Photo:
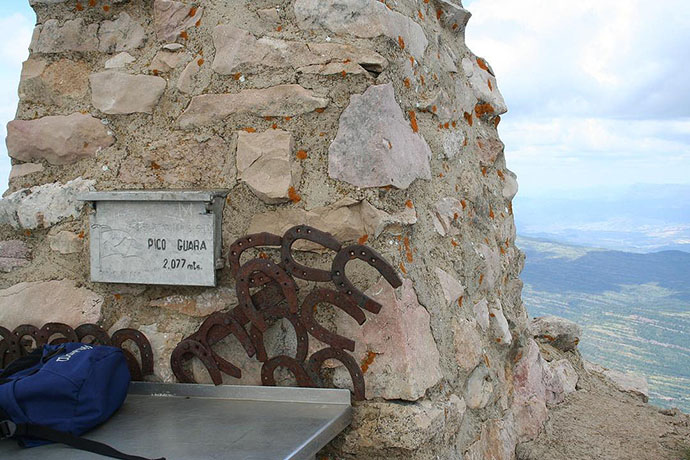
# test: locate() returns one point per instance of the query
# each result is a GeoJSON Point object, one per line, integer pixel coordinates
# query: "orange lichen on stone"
{"type": "Point", "coordinates": [433, 108]}
{"type": "Point", "coordinates": [401, 42]}
{"type": "Point", "coordinates": [301, 155]}
{"type": "Point", "coordinates": [468, 118]}
{"type": "Point", "coordinates": [406, 82]}
{"type": "Point", "coordinates": [454, 123]}
{"type": "Point", "coordinates": [492, 315]}
{"type": "Point", "coordinates": [426, 1]}
{"type": "Point", "coordinates": [510, 208]}
{"type": "Point", "coordinates": [347, 61]}
{"type": "Point", "coordinates": [507, 243]}
{"type": "Point", "coordinates": [402, 268]}
{"type": "Point", "coordinates": [198, 23]}
{"type": "Point", "coordinates": [409, 204]}
{"type": "Point", "coordinates": [440, 174]}
{"type": "Point", "coordinates": [288, 118]}
{"type": "Point", "coordinates": [408, 251]}
{"type": "Point", "coordinates": [274, 126]}
{"type": "Point", "coordinates": [481, 278]}
{"type": "Point", "coordinates": [411, 60]}
{"type": "Point", "coordinates": [343, 73]}
{"type": "Point", "coordinates": [319, 110]}
{"type": "Point", "coordinates": [155, 165]}
{"type": "Point", "coordinates": [499, 173]}
{"type": "Point", "coordinates": [446, 125]}
{"type": "Point", "coordinates": [463, 203]}
{"type": "Point", "coordinates": [413, 121]}
{"type": "Point", "coordinates": [454, 243]}
{"type": "Point", "coordinates": [483, 167]}
{"type": "Point", "coordinates": [503, 251]}
{"type": "Point", "coordinates": [483, 109]}
{"type": "Point", "coordinates": [279, 28]}
{"type": "Point", "coordinates": [486, 240]}
{"type": "Point", "coordinates": [455, 216]}
{"type": "Point", "coordinates": [488, 82]}
{"type": "Point", "coordinates": [92, 3]}
{"type": "Point", "coordinates": [420, 15]}
{"type": "Point", "coordinates": [263, 255]}
{"type": "Point", "coordinates": [363, 239]}
{"type": "Point", "coordinates": [482, 64]}
{"type": "Point", "coordinates": [184, 35]}
{"type": "Point", "coordinates": [368, 361]}
{"type": "Point", "coordinates": [321, 134]}
{"type": "Point", "coordinates": [79, 7]}
{"type": "Point", "coordinates": [81, 235]}
{"type": "Point", "coordinates": [460, 301]}
{"type": "Point", "coordinates": [237, 75]}
{"type": "Point", "coordinates": [249, 130]}
{"type": "Point", "coordinates": [200, 62]}
{"type": "Point", "coordinates": [117, 296]}
{"type": "Point", "coordinates": [106, 8]}
{"type": "Point", "coordinates": [421, 79]}
{"type": "Point", "coordinates": [27, 232]}
{"type": "Point", "coordinates": [268, 118]}
{"type": "Point", "coordinates": [438, 13]}
{"type": "Point", "coordinates": [497, 120]}
{"type": "Point", "coordinates": [293, 195]}
{"type": "Point", "coordinates": [455, 26]}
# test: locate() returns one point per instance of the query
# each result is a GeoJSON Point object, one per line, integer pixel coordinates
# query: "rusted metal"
{"type": "Point", "coordinates": [316, 361]}
{"type": "Point", "coordinates": [266, 292]}
{"type": "Point", "coordinates": [308, 309]}
{"type": "Point", "coordinates": [373, 258]}
{"type": "Point", "coordinates": [15, 344]}
{"type": "Point", "coordinates": [294, 366]}
{"type": "Point", "coordinates": [304, 232]}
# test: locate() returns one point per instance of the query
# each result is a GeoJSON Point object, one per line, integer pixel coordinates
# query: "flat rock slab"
{"type": "Point", "coordinates": [362, 18]}
{"type": "Point", "coordinates": [375, 145]}
{"type": "Point", "coordinates": [116, 93]}
{"type": "Point", "coordinates": [282, 100]}
{"type": "Point", "coordinates": [58, 139]}
{"type": "Point", "coordinates": [41, 302]}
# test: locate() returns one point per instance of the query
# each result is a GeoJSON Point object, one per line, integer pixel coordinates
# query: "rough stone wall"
{"type": "Point", "coordinates": [369, 119]}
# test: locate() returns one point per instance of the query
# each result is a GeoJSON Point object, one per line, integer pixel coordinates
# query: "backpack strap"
{"type": "Point", "coordinates": [9, 429]}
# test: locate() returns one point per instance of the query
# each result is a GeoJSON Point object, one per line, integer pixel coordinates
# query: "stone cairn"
{"type": "Point", "coordinates": [370, 120]}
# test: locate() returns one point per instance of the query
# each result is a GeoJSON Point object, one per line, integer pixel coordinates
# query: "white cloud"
{"type": "Point", "coordinates": [596, 89]}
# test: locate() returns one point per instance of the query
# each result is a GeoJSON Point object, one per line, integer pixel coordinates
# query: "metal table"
{"type": "Point", "coordinates": [185, 422]}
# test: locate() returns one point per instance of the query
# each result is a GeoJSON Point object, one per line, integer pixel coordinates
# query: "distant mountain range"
{"type": "Point", "coordinates": [638, 218]}
{"type": "Point", "coordinates": [634, 308]}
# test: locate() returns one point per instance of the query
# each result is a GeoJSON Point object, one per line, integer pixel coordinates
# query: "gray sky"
{"type": "Point", "coordinates": [598, 90]}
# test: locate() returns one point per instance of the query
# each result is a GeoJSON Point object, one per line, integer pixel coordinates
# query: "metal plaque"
{"type": "Point", "coordinates": [156, 237]}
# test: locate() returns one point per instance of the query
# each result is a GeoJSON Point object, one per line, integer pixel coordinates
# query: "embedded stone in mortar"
{"type": "Point", "coordinates": [479, 389]}
{"type": "Point", "coordinates": [451, 288]}
{"type": "Point", "coordinates": [57, 83]}
{"type": "Point", "coordinates": [65, 242]}
{"type": "Point", "coordinates": [121, 34]}
{"type": "Point", "coordinates": [264, 163]}
{"type": "Point", "coordinates": [162, 344]}
{"type": "Point", "coordinates": [375, 145]}
{"type": "Point", "coordinates": [165, 61]}
{"type": "Point", "coordinates": [402, 360]}
{"type": "Point", "coordinates": [362, 18]}
{"type": "Point", "coordinates": [483, 83]}
{"type": "Point", "coordinates": [499, 325]}
{"type": "Point", "coordinates": [119, 60]}
{"type": "Point", "coordinates": [467, 343]}
{"type": "Point", "coordinates": [347, 220]}
{"type": "Point", "coordinates": [281, 100]}
{"type": "Point", "coordinates": [171, 18]}
{"type": "Point", "coordinates": [13, 254]}
{"type": "Point", "coordinates": [236, 47]}
{"type": "Point", "coordinates": [530, 375]}
{"type": "Point", "coordinates": [380, 426]}
{"type": "Point", "coordinates": [115, 92]}
{"type": "Point", "coordinates": [44, 205]}
{"type": "Point", "coordinates": [73, 35]}
{"type": "Point", "coordinates": [41, 302]}
{"type": "Point", "coordinates": [58, 139]}
{"type": "Point", "coordinates": [200, 305]}
{"type": "Point", "coordinates": [24, 169]}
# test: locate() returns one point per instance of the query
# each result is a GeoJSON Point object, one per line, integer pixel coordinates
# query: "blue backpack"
{"type": "Point", "coordinates": [59, 392]}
